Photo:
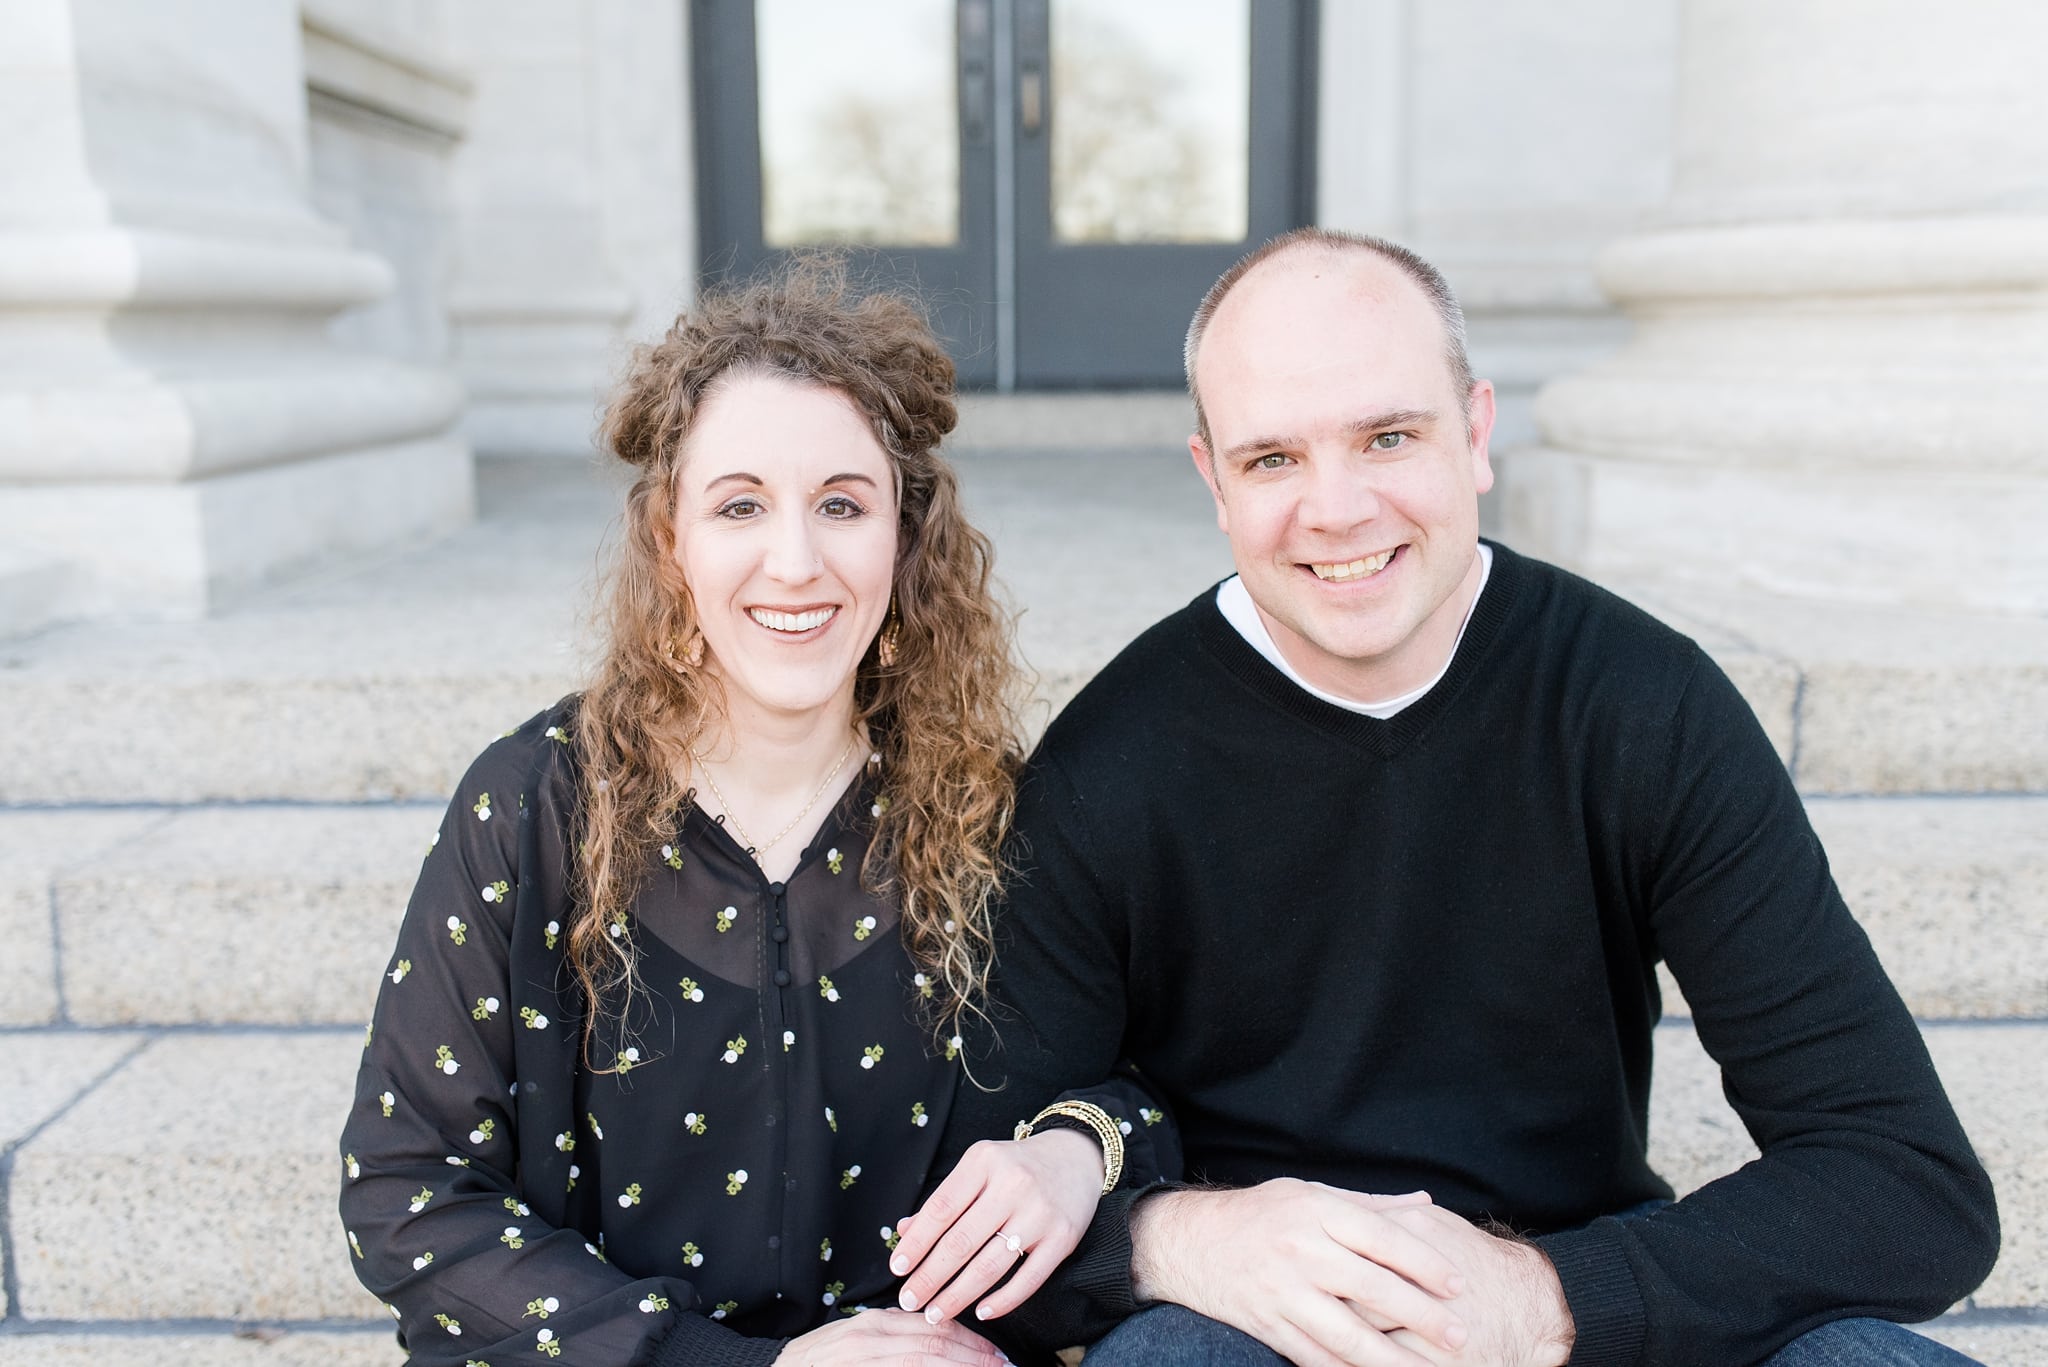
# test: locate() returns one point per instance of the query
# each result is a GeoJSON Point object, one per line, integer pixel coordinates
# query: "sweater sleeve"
{"type": "Point", "coordinates": [430, 1198]}
{"type": "Point", "coordinates": [1867, 1199]}
{"type": "Point", "coordinates": [1057, 1028]}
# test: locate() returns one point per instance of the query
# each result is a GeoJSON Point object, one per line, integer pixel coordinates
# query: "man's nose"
{"type": "Point", "coordinates": [1339, 496]}
{"type": "Point", "coordinates": [792, 551]}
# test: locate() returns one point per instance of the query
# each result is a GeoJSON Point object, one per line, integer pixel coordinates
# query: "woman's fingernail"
{"type": "Point", "coordinates": [981, 1313]}
{"type": "Point", "coordinates": [906, 1300]}
{"type": "Point", "coordinates": [899, 1265]}
{"type": "Point", "coordinates": [931, 1314]}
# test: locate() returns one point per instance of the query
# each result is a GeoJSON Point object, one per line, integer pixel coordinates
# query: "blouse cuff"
{"type": "Point", "coordinates": [697, 1341]}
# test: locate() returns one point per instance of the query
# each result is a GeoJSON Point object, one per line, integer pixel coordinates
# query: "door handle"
{"type": "Point", "coordinates": [976, 100]}
{"type": "Point", "coordinates": [1031, 98]}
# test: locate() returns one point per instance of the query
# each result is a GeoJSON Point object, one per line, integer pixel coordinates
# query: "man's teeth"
{"type": "Point", "coordinates": [1354, 569]}
{"type": "Point", "coordinates": [792, 621]}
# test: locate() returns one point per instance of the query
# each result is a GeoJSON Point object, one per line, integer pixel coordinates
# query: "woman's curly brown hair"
{"type": "Point", "coordinates": [943, 715]}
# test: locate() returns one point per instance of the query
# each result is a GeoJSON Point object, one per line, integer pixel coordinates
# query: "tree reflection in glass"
{"type": "Point", "coordinates": [860, 137]}
{"type": "Point", "coordinates": [1150, 120]}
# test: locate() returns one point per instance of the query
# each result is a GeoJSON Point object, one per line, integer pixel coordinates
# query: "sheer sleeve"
{"type": "Point", "coordinates": [438, 1227]}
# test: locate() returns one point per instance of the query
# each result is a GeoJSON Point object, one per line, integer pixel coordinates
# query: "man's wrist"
{"type": "Point", "coordinates": [1551, 1317]}
{"type": "Point", "coordinates": [1157, 1225]}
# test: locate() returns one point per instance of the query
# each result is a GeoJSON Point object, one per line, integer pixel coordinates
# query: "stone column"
{"type": "Point", "coordinates": [177, 423]}
{"type": "Point", "coordinates": [538, 306]}
{"type": "Point", "coordinates": [1836, 386]}
{"type": "Point", "coordinates": [1506, 144]}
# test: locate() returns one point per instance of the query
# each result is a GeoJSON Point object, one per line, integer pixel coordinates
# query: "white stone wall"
{"type": "Point", "coordinates": [572, 219]}
{"type": "Point", "coordinates": [1835, 387]}
{"type": "Point", "coordinates": [178, 425]}
{"type": "Point", "coordinates": [1507, 144]}
{"type": "Point", "coordinates": [387, 108]}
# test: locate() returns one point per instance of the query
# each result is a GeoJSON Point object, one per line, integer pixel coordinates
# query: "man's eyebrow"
{"type": "Point", "coordinates": [1375, 423]}
{"type": "Point", "coordinates": [1258, 446]}
{"type": "Point", "coordinates": [1372, 424]}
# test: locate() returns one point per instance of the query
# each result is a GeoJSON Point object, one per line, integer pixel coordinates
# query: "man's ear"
{"type": "Point", "coordinates": [1205, 466]}
{"type": "Point", "coordinates": [1479, 431]}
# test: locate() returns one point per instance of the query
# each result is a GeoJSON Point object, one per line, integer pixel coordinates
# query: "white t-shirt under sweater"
{"type": "Point", "coordinates": [1234, 601]}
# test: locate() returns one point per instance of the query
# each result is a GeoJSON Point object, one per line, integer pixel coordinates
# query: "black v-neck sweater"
{"type": "Point", "coordinates": [1418, 952]}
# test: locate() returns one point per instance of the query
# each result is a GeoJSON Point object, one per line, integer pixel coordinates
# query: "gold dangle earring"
{"type": "Point", "coordinates": [691, 656]}
{"type": "Point", "coordinates": [892, 630]}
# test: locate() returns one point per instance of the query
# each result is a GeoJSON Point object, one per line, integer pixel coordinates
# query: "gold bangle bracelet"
{"type": "Point", "coordinates": [1098, 1121]}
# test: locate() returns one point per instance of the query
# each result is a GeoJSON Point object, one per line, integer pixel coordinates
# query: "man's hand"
{"type": "Point", "coordinates": [1513, 1304]}
{"type": "Point", "coordinates": [1313, 1272]}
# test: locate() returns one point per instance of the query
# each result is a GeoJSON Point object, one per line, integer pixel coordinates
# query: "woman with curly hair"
{"type": "Point", "coordinates": [672, 1027]}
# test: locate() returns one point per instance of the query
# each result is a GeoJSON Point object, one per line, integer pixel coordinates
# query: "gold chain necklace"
{"type": "Point", "coordinates": [734, 821]}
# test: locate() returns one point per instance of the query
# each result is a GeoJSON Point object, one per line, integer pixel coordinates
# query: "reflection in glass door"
{"type": "Point", "coordinates": [1061, 179]}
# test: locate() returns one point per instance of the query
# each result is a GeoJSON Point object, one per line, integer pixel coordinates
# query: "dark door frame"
{"type": "Point", "coordinates": [1005, 250]}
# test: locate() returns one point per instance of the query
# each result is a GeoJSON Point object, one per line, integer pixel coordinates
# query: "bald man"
{"type": "Point", "coordinates": [1366, 859]}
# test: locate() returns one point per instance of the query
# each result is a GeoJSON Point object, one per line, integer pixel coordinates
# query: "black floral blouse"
{"type": "Point", "coordinates": [725, 1173]}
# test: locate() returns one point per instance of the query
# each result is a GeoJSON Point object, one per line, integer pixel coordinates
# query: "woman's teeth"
{"type": "Point", "coordinates": [1354, 569]}
{"type": "Point", "coordinates": [792, 621]}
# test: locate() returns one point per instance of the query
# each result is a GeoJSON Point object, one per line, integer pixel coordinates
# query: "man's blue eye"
{"type": "Point", "coordinates": [1272, 460]}
{"type": "Point", "coordinates": [1387, 441]}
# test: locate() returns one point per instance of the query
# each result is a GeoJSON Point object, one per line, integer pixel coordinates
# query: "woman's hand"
{"type": "Point", "coordinates": [892, 1337]}
{"type": "Point", "coordinates": [1009, 1199]}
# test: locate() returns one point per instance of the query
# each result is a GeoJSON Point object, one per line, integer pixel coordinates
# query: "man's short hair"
{"type": "Point", "coordinates": [1334, 240]}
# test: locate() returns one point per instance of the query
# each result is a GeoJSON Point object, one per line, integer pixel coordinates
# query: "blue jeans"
{"type": "Point", "coordinates": [1175, 1335]}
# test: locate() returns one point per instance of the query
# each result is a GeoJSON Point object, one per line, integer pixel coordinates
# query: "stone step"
{"type": "Point", "coordinates": [33, 593]}
{"type": "Point", "coordinates": [1991, 1344]}
{"type": "Point", "coordinates": [1993, 1076]}
{"type": "Point", "coordinates": [1879, 700]}
{"type": "Point", "coordinates": [384, 680]}
{"type": "Point", "coordinates": [274, 915]}
{"type": "Point", "coordinates": [209, 1158]}
{"type": "Point", "coordinates": [1111, 420]}
{"type": "Point", "coordinates": [372, 1345]}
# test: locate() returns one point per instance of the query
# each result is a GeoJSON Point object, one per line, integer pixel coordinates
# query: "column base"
{"type": "Point", "coordinates": [182, 550]}
{"type": "Point", "coordinates": [1906, 538]}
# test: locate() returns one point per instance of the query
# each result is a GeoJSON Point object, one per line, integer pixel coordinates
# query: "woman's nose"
{"type": "Point", "coordinates": [792, 552]}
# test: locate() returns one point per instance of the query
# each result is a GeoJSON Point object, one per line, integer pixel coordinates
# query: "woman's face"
{"type": "Point", "coordinates": [785, 531]}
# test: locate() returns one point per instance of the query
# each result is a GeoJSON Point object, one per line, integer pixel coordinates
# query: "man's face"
{"type": "Point", "coordinates": [1342, 469]}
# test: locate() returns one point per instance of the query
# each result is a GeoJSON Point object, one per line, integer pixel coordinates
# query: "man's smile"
{"type": "Point", "coordinates": [1344, 571]}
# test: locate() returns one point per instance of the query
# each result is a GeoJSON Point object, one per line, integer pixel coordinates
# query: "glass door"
{"type": "Point", "coordinates": [1060, 179]}
{"type": "Point", "coordinates": [862, 126]}
{"type": "Point", "coordinates": [1157, 142]}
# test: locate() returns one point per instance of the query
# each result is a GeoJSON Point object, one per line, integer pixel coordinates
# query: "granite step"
{"type": "Point", "coordinates": [382, 680]}
{"type": "Point", "coordinates": [1879, 700]}
{"type": "Point", "coordinates": [180, 1345]}
{"type": "Point", "coordinates": [32, 592]}
{"type": "Point", "coordinates": [285, 915]}
{"type": "Point", "coordinates": [1994, 1344]}
{"type": "Point", "coordinates": [209, 1158]}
